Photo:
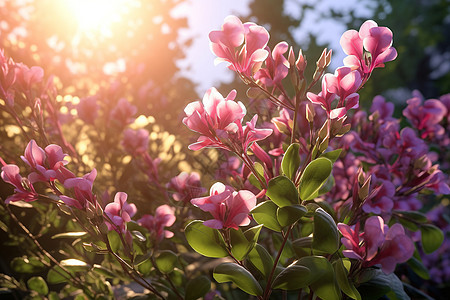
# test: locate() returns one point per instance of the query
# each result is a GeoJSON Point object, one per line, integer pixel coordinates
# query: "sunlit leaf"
{"type": "Point", "coordinates": [26, 264]}
{"type": "Point", "coordinates": [343, 281]}
{"type": "Point", "coordinates": [432, 238]}
{"type": "Point", "coordinates": [244, 280]}
{"type": "Point", "coordinates": [38, 284]}
{"type": "Point", "coordinates": [294, 277]}
{"type": "Point", "coordinates": [291, 161]}
{"type": "Point", "coordinates": [75, 234]}
{"type": "Point", "coordinates": [265, 213]}
{"type": "Point", "coordinates": [326, 235]}
{"type": "Point", "coordinates": [205, 240]}
{"type": "Point", "coordinates": [282, 191]}
{"type": "Point", "coordinates": [288, 215]}
{"type": "Point", "coordinates": [166, 260]}
{"type": "Point", "coordinates": [313, 177]}
{"type": "Point", "coordinates": [261, 259]}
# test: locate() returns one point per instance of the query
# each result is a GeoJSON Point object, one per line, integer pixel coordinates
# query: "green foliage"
{"type": "Point", "coordinates": [326, 235]}
{"type": "Point", "coordinates": [343, 281]}
{"type": "Point", "coordinates": [288, 215]}
{"type": "Point", "coordinates": [291, 161]}
{"type": "Point", "coordinates": [243, 242]}
{"type": "Point", "coordinates": [238, 275]}
{"type": "Point", "coordinates": [323, 279]}
{"type": "Point", "coordinates": [265, 213]}
{"type": "Point", "coordinates": [165, 261]}
{"type": "Point", "coordinates": [261, 259]}
{"type": "Point", "coordinates": [27, 265]}
{"type": "Point", "coordinates": [381, 284]}
{"type": "Point", "coordinates": [294, 277]}
{"type": "Point", "coordinates": [197, 287]}
{"type": "Point", "coordinates": [432, 238]}
{"type": "Point", "coordinates": [313, 177]}
{"type": "Point", "coordinates": [282, 191]}
{"type": "Point", "coordinates": [206, 241]}
{"type": "Point", "coordinates": [38, 284]}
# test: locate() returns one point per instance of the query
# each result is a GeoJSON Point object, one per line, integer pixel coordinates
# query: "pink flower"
{"type": "Point", "coordinates": [23, 190]}
{"type": "Point", "coordinates": [373, 39]}
{"type": "Point", "coordinates": [344, 84]}
{"type": "Point", "coordinates": [120, 212]}
{"type": "Point", "coordinates": [164, 217]}
{"type": "Point", "coordinates": [226, 44]}
{"type": "Point", "coordinates": [277, 66]}
{"type": "Point", "coordinates": [135, 142]}
{"type": "Point", "coordinates": [82, 188]}
{"type": "Point", "coordinates": [26, 77]}
{"type": "Point", "coordinates": [186, 186]}
{"type": "Point", "coordinates": [123, 112]}
{"type": "Point", "coordinates": [218, 120]}
{"type": "Point", "coordinates": [87, 109]}
{"type": "Point", "coordinates": [427, 116]}
{"type": "Point", "coordinates": [7, 79]}
{"type": "Point", "coordinates": [45, 163]}
{"type": "Point", "coordinates": [229, 208]}
{"type": "Point", "coordinates": [378, 245]}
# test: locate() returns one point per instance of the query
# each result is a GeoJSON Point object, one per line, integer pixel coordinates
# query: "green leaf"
{"type": "Point", "coordinates": [265, 213]}
{"type": "Point", "coordinates": [261, 259]}
{"type": "Point", "coordinates": [282, 191]}
{"type": "Point", "coordinates": [327, 186]}
{"type": "Point", "coordinates": [294, 277]}
{"type": "Point", "coordinates": [342, 279]}
{"type": "Point", "coordinates": [197, 287]}
{"type": "Point", "coordinates": [100, 270]}
{"type": "Point", "coordinates": [56, 275]}
{"type": "Point", "coordinates": [418, 268]}
{"type": "Point", "coordinates": [332, 155]}
{"type": "Point", "coordinates": [165, 261]}
{"type": "Point", "coordinates": [26, 264]}
{"type": "Point", "coordinates": [288, 215]}
{"type": "Point", "coordinates": [323, 281]}
{"type": "Point", "coordinates": [288, 251]}
{"type": "Point", "coordinates": [325, 234]}
{"type": "Point", "coordinates": [413, 215]}
{"type": "Point", "coordinates": [145, 267]}
{"type": "Point", "coordinates": [302, 246]}
{"type": "Point", "coordinates": [38, 284]}
{"type": "Point", "coordinates": [74, 234]}
{"type": "Point", "coordinates": [382, 284]}
{"type": "Point", "coordinates": [291, 161]}
{"type": "Point", "coordinates": [238, 275]}
{"type": "Point", "coordinates": [205, 240]}
{"type": "Point", "coordinates": [114, 240]}
{"type": "Point", "coordinates": [432, 238]}
{"type": "Point", "coordinates": [259, 173]}
{"type": "Point", "coordinates": [313, 177]}
{"type": "Point", "coordinates": [75, 265]}
{"type": "Point", "coordinates": [243, 242]}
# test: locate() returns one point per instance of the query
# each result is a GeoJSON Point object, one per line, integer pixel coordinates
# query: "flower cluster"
{"type": "Point", "coordinates": [378, 244]}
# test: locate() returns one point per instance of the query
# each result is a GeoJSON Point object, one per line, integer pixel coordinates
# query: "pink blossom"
{"type": "Point", "coordinates": [378, 245]}
{"type": "Point", "coordinates": [87, 109]}
{"type": "Point", "coordinates": [218, 120]}
{"type": "Point", "coordinates": [164, 217]}
{"type": "Point", "coordinates": [7, 79]}
{"type": "Point", "coordinates": [277, 66]}
{"type": "Point", "coordinates": [119, 212]}
{"type": "Point", "coordinates": [186, 186]}
{"type": "Point", "coordinates": [427, 116]}
{"type": "Point", "coordinates": [380, 198]}
{"type": "Point", "coordinates": [23, 189]}
{"type": "Point", "coordinates": [82, 189]}
{"type": "Point", "coordinates": [123, 112]}
{"type": "Point", "coordinates": [45, 163]}
{"type": "Point", "coordinates": [229, 208]}
{"type": "Point", "coordinates": [373, 39]}
{"type": "Point", "coordinates": [226, 45]}
{"type": "Point", "coordinates": [344, 84]}
{"type": "Point", "coordinates": [26, 77]}
{"type": "Point", "coordinates": [135, 142]}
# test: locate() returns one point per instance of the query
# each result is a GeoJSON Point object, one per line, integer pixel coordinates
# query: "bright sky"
{"type": "Point", "coordinates": [206, 15]}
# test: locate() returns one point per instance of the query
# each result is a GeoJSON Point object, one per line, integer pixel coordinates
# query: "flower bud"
{"type": "Point", "coordinates": [301, 63]}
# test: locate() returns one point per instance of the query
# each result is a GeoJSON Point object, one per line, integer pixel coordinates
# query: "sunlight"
{"type": "Point", "coordinates": [97, 15]}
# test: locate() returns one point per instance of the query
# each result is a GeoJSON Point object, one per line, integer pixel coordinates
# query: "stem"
{"type": "Point", "coordinates": [76, 281]}
{"type": "Point", "coordinates": [296, 111]}
{"type": "Point", "coordinates": [268, 291]}
{"type": "Point", "coordinates": [247, 161]}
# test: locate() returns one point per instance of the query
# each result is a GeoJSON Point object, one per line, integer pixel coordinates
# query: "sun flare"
{"type": "Point", "coordinates": [96, 15]}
